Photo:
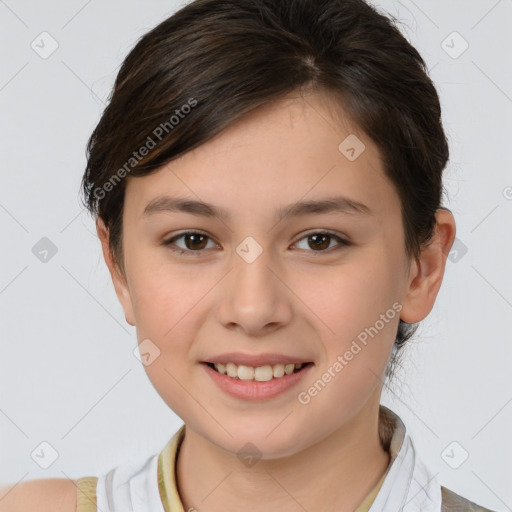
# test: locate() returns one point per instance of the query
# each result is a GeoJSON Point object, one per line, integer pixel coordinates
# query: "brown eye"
{"type": "Point", "coordinates": [194, 242]}
{"type": "Point", "coordinates": [320, 241]}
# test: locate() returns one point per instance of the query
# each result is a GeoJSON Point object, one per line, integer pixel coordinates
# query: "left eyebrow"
{"type": "Point", "coordinates": [336, 204]}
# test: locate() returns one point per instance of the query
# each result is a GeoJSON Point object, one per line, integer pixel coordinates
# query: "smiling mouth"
{"type": "Point", "coordinates": [260, 374]}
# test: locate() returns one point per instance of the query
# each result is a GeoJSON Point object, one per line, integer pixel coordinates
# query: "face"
{"type": "Point", "coordinates": [308, 285]}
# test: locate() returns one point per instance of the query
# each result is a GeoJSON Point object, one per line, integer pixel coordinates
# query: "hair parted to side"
{"type": "Point", "coordinates": [213, 61]}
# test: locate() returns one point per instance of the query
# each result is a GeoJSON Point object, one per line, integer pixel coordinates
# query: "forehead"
{"type": "Point", "coordinates": [295, 148]}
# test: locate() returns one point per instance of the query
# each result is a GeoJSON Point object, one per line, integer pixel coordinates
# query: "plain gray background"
{"type": "Point", "coordinates": [68, 374]}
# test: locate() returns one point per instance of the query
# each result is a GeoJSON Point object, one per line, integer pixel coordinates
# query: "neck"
{"type": "Point", "coordinates": [354, 456]}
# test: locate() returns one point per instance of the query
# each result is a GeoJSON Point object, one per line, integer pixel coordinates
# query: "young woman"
{"type": "Point", "coordinates": [267, 185]}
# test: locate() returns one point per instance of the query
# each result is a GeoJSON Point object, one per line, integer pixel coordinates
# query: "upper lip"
{"type": "Point", "coordinates": [255, 360]}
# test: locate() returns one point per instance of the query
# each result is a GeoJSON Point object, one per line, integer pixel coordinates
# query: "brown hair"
{"type": "Point", "coordinates": [213, 61]}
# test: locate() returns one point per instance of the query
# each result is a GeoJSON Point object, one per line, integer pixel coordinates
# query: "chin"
{"type": "Point", "coordinates": [263, 441]}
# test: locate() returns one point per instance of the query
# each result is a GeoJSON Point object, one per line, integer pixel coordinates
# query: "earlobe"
{"type": "Point", "coordinates": [118, 278]}
{"type": "Point", "coordinates": [426, 273]}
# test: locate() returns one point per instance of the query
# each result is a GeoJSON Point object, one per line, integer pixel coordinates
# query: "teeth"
{"type": "Point", "coordinates": [245, 372]}
{"type": "Point", "coordinates": [232, 370]}
{"type": "Point", "coordinates": [260, 374]}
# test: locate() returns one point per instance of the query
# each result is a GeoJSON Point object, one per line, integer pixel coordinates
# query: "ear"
{"type": "Point", "coordinates": [426, 272]}
{"type": "Point", "coordinates": [118, 277]}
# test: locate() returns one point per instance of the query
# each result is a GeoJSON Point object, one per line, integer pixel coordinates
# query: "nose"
{"type": "Point", "coordinates": [254, 296]}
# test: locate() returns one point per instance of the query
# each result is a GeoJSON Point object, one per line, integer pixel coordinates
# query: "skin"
{"type": "Point", "coordinates": [293, 299]}
{"type": "Point", "coordinates": [43, 495]}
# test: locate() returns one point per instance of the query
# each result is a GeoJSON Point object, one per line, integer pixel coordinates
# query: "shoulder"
{"type": "Point", "coordinates": [43, 495]}
{"type": "Point", "coordinates": [453, 502]}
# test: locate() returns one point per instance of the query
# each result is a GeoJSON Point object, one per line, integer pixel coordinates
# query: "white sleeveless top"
{"type": "Point", "coordinates": [130, 488]}
{"type": "Point", "coordinates": [407, 486]}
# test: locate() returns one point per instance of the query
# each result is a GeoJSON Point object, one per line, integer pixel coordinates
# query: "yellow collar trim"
{"type": "Point", "coordinates": [167, 473]}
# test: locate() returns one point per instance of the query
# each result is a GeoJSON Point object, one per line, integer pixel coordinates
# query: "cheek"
{"type": "Point", "coordinates": [165, 308]}
{"type": "Point", "coordinates": [170, 304]}
{"type": "Point", "coordinates": [162, 291]}
{"type": "Point", "coordinates": [353, 305]}
{"type": "Point", "coordinates": [358, 304]}
{"type": "Point", "coordinates": [350, 296]}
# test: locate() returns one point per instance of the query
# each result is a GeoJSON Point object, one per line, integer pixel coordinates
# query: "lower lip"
{"type": "Point", "coordinates": [254, 390]}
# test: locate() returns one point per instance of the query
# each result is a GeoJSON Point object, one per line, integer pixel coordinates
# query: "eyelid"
{"type": "Point", "coordinates": [341, 239]}
{"type": "Point", "coordinates": [169, 241]}
{"type": "Point", "coordinates": [323, 232]}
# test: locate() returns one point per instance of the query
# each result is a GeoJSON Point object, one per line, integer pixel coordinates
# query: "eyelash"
{"type": "Point", "coordinates": [168, 243]}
